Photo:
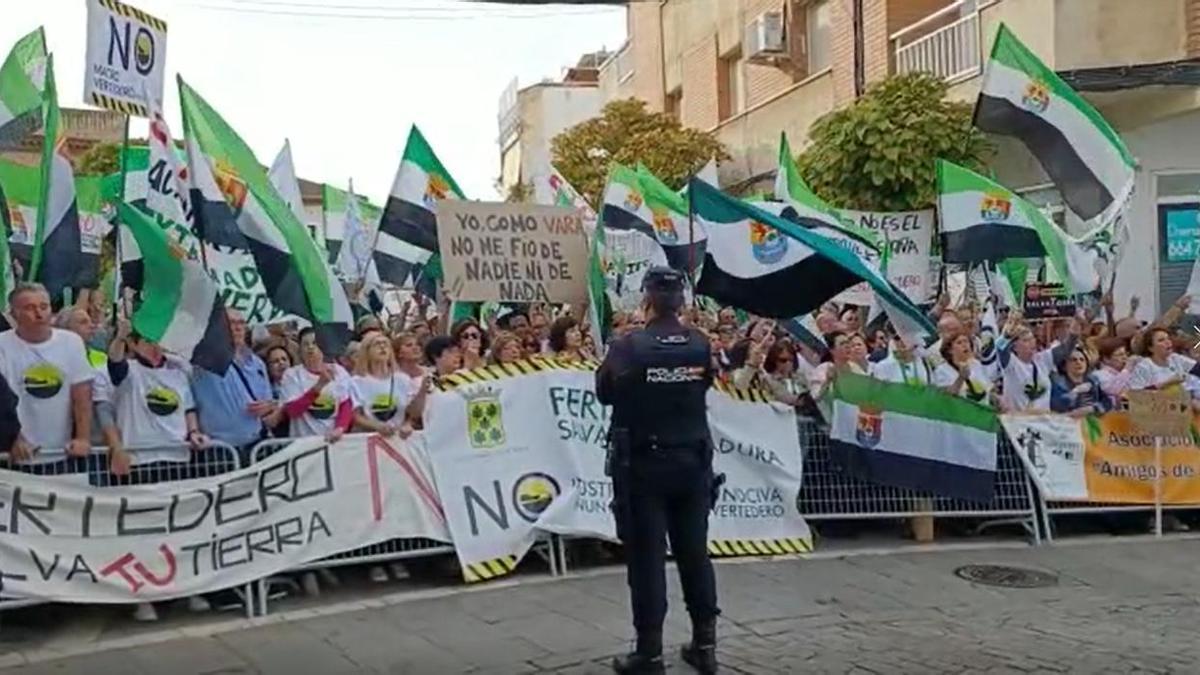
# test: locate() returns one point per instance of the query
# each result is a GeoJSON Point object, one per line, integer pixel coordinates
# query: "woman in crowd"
{"type": "Point", "coordinates": [383, 390]}
{"type": "Point", "coordinates": [903, 365]}
{"type": "Point", "coordinates": [408, 351]}
{"type": "Point", "coordinates": [859, 354]}
{"type": "Point", "coordinates": [1115, 370]}
{"type": "Point", "coordinates": [878, 346]}
{"type": "Point", "coordinates": [506, 349]}
{"type": "Point", "coordinates": [446, 359]}
{"type": "Point", "coordinates": [1074, 390]}
{"type": "Point", "coordinates": [1026, 371]}
{"type": "Point", "coordinates": [960, 373]}
{"type": "Point", "coordinates": [588, 350]}
{"type": "Point", "coordinates": [319, 397]}
{"type": "Point", "coordinates": [471, 341]}
{"type": "Point", "coordinates": [1162, 368]}
{"type": "Point", "coordinates": [566, 342]}
{"type": "Point", "coordinates": [782, 378]}
{"type": "Point", "coordinates": [837, 360]}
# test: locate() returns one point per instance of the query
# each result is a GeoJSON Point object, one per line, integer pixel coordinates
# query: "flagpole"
{"type": "Point", "coordinates": [118, 281]}
{"type": "Point", "coordinates": [692, 247]}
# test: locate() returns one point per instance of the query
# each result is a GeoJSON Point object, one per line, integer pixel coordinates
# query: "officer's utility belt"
{"type": "Point", "coordinates": [655, 447]}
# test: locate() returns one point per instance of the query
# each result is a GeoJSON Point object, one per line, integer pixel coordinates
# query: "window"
{"type": "Point", "coordinates": [819, 21]}
{"type": "Point", "coordinates": [729, 86]}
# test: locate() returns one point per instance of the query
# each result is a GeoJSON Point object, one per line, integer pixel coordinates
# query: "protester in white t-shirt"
{"type": "Point", "coordinates": [319, 397]}
{"type": "Point", "coordinates": [1027, 371]}
{"type": "Point", "coordinates": [104, 416]}
{"type": "Point", "coordinates": [1116, 369]}
{"type": "Point", "coordinates": [383, 391]}
{"type": "Point", "coordinates": [48, 370]}
{"type": "Point", "coordinates": [1162, 368]}
{"type": "Point", "coordinates": [152, 395]}
{"type": "Point", "coordinates": [960, 373]}
{"type": "Point", "coordinates": [903, 366]}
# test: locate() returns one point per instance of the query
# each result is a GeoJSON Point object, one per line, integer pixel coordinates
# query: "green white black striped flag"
{"type": "Point", "coordinates": [1079, 150]}
{"type": "Point", "coordinates": [292, 267]}
{"type": "Point", "coordinates": [58, 260]}
{"type": "Point", "coordinates": [983, 221]}
{"type": "Point", "coordinates": [181, 308]}
{"type": "Point", "coordinates": [22, 82]}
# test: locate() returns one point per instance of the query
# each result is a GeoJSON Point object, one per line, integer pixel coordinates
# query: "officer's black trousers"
{"type": "Point", "coordinates": [669, 495]}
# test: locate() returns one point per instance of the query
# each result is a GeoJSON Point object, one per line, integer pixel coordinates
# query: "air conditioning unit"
{"type": "Point", "coordinates": [765, 38]}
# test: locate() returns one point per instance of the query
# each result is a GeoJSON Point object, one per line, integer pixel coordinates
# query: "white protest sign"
{"type": "Point", "coordinates": [70, 542]}
{"type": "Point", "coordinates": [515, 455]}
{"type": "Point", "coordinates": [909, 238]}
{"type": "Point", "coordinates": [126, 57]}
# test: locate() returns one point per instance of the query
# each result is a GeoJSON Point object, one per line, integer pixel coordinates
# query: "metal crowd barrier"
{"type": "Point", "coordinates": [214, 459]}
{"type": "Point", "coordinates": [827, 494]}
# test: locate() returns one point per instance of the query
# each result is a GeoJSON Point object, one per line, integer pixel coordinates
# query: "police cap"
{"type": "Point", "coordinates": [662, 280]}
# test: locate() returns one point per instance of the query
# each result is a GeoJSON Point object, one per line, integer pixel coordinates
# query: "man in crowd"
{"type": "Point", "coordinates": [78, 320]}
{"type": "Point", "coordinates": [232, 406]}
{"type": "Point", "coordinates": [51, 376]}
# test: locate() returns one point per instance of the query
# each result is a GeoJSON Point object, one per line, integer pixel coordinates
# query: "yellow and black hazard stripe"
{"type": "Point", "coordinates": [135, 14]}
{"type": "Point", "coordinates": [494, 373]}
{"type": "Point", "coordinates": [118, 105]}
{"type": "Point", "coordinates": [757, 547]}
{"type": "Point", "coordinates": [489, 569]}
{"type": "Point", "coordinates": [749, 395]}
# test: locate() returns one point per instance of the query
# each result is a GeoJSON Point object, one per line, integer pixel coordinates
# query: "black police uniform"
{"type": "Point", "coordinates": [656, 380]}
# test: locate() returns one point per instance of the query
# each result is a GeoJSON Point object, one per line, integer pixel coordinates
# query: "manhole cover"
{"type": "Point", "coordinates": [1006, 576]}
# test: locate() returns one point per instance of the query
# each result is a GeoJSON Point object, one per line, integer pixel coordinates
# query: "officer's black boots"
{"type": "Point", "coordinates": [638, 663]}
{"type": "Point", "coordinates": [646, 660]}
{"type": "Point", "coordinates": [701, 654]}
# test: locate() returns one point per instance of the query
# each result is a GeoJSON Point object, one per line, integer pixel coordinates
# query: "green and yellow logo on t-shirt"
{"type": "Point", "coordinates": [322, 407]}
{"type": "Point", "coordinates": [383, 407]}
{"type": "Point", "coordinates": [43, 380]}
{"type": "Point", "coordinates": [162, 401]}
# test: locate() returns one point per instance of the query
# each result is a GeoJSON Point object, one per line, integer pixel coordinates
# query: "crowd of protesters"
{"type": "Point", "coordinates": [121, 392]}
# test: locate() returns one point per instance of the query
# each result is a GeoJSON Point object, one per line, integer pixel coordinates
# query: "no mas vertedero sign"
{"type": "Point", "coordinates": [126, 57]}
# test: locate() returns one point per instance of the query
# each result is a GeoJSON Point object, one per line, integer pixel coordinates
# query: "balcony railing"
{"type": "Point", "coordinates": [940, 44]}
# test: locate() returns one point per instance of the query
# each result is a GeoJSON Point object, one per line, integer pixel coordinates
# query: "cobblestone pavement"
{"type": "Point", "coordinates": [1118, 607]}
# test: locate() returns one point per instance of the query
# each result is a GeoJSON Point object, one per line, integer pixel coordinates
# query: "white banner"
{"type": "Point", "coordinates": [909, 235]}
{"type": "Point", "coordinates": [126, 57]}
{"type": "Point", "coordinates": [519, 455]}
{"type": "Point", "coordinates": [65, 541]}
{"type": "Point", "coordinates": [1053, 452]}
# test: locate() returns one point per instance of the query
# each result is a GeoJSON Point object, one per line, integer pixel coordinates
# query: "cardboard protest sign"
{"type": "Point", "coordinates": [501, 252]}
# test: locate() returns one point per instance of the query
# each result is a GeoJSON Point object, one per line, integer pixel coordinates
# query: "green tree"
{"type": "Point", "coordinates": [627, 133]}
{"type": "Point", "coordinates": [519, 193]}
{"type": "Point", "coordinates": [99, 160]}
{"type": "Point", "coordinates": [878, 154]}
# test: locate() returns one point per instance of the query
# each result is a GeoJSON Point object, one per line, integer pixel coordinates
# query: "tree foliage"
{"type": "Point", "coordinates": [99, 160]}
{"type": "Point", "coordinates": [878, 154]}
{"type": "Point", "coordinates": [519, 193]}
{"type": "Point", "coordinates": [627, 133]}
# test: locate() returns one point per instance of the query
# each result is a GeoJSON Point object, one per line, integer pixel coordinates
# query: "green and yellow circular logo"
{"type": "Point", "coordinates": [43, 381]}
{"type": "Point", "coordinates": [532, 494]}
{"type": "Point", "coordinates": [383, 407]}
{"type": "Point", "coordinates": [162, 401]}
{"type": "Point", "coordinates": [322, 408]}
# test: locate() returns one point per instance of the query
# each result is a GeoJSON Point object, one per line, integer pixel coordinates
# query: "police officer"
{"type": "Point", "coordinates": [660, 458]}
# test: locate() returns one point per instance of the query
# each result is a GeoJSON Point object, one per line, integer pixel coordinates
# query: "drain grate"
{"type": "Point", "coordinates": [1006, 576]}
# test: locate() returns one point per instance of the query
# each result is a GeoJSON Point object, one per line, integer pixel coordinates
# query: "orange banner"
{"type": "Point", "coordinates": [1120, 467]}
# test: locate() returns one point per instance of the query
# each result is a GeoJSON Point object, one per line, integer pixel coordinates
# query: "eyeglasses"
{"type": "Point", "coordinates": [471, 336]}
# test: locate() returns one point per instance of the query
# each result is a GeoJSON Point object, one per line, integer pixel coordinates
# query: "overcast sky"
{"type": "Point", "coordinates": [344, 79]}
